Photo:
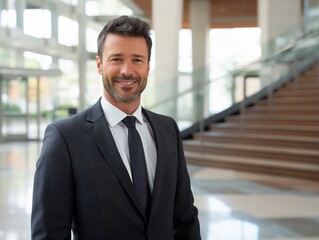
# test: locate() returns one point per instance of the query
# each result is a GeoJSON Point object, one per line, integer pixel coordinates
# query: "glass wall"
{"type": "Point", "coordinates": [57, 30]}
{"type": "Point", "coordinates": [14, 108]}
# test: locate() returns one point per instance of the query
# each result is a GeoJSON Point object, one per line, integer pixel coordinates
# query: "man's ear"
{"type": "Point", "coordinates": [98, 64]}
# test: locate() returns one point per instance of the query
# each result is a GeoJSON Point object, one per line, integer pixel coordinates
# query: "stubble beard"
{"type": "Point", "coordinates": [108, 86]}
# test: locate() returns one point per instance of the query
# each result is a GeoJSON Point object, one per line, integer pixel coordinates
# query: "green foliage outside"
{"type": "Point", "coordinates": [11, 109]}
{"type": "Point", "coordinates": [61, 111]}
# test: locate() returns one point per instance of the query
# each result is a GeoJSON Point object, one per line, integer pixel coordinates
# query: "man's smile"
{"type": "Point", "coordinates": [126, 83]}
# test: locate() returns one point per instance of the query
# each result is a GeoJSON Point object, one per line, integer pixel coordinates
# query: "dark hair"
{"type": "Point", "coordinates": [125, 26]}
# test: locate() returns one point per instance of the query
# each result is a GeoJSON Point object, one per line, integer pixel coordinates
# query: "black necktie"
{"type": "Point", "coordinates": [138, 165]}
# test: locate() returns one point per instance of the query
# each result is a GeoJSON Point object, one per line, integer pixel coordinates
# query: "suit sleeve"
{"type": "Point", "coordinates": [186, 223]}
{"type": "Point", "coordinates": [53, 189]}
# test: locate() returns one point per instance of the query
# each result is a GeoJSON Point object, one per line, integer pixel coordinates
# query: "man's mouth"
{"type": "Point", "coordinates": [127, 82]}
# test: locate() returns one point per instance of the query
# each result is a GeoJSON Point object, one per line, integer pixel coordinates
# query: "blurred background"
{"type": "Point", "coordinates": [239, 76]}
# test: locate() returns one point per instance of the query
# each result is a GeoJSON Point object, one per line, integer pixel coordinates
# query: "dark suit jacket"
{"type": "Point", "coordinates": [82, 184]}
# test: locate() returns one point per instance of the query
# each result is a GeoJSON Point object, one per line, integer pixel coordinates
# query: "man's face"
{"type": "Point", "coordinates": [124, 68]}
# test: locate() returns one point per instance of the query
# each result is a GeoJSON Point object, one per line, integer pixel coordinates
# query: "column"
{"type": "Point", "coordinates": [200, 25]}
{"type": "Point", "coordinates": [167, 21]}
{"type": "Point", "coordinates": [277, 17]}
{"type": "Point", "coordinates": [310, 11]}
{"type": "Point", "coordinates": [54, 22]}
{"type": "Point", "coordinates": [82, 53]}
{"type": "Point", "coordinates": [19, 7]}
{"type": "Point", "coordinates": [54, 31]}
{"type": "Point", "coordinates": [3, 6]}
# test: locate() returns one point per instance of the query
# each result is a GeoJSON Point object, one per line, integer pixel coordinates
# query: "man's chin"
{"type": "Point", "coordinates": [126, 99]}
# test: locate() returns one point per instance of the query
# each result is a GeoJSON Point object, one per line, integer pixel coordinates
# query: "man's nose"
{"type": "Point", "coordinates": [127, 69]}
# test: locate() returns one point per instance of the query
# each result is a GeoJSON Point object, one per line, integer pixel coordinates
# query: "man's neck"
{"type": "Point", "coordinates": [128, 108]}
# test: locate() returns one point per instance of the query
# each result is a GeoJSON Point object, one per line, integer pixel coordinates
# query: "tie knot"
{"type": "Point", "coordinates": [129, 121]}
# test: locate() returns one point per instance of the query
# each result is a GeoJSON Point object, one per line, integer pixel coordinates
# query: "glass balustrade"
{"type": "Point", "coordinates": [208, 96]}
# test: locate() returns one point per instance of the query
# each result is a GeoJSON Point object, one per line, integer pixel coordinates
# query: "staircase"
{"type": "Point", "coordinates": [277, 135]}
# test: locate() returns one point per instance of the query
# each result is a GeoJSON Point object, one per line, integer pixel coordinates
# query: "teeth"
{"type": "Point", "coordinates": [127, 83]}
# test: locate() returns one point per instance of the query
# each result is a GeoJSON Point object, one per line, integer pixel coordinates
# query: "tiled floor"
{"type": "Point", "coordinates": [232, 205]}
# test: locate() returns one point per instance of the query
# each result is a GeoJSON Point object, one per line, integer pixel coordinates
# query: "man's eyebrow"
{"type": "Point", "coordinates": [116, 55]}
{"type": "Point", "coordinates": [138, 56]}
{"type": "Point", "coordinates": [121, 55]}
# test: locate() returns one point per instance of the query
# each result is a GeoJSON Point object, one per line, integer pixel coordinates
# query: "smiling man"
{"type": "Point", "coordinates": [115, 171]}
{"type": "Point", "coordinates": [124, 66]}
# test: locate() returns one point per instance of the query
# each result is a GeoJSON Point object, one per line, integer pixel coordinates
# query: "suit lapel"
{"type": "Point", "coordinates": [101, 134]}
{"type": "Point", "coordinates": [160, 164]}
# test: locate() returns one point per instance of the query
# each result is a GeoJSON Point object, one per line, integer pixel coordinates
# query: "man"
{"type": "Point", "coordinates": [86, 178]}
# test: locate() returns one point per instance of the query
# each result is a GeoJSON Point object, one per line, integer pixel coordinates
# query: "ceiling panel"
{"type": "Point", "coordinates": [223, 13]}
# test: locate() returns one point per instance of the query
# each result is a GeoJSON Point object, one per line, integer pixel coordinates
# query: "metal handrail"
{"type": "Point", "coordinates": [288, 47]}
{"type": "Point", "coordinates": [191, 89]}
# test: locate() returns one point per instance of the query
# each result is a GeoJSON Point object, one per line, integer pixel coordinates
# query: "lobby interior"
{"type": "Point", "coordinates": [240, 195]}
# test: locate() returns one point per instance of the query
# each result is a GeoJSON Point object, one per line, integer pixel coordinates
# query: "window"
{"type": "Point", "coordinates": [68, 31]}
{"type": "Point", "coordinates": [37, 23]}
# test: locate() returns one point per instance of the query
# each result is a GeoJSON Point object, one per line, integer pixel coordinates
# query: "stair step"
{"type": "Point", "coordinates": [248, 120]}
{"type": "Point", "coordinates": [265, 166]}
{"type": "Point", "coordinates": [300, 90]}
{"type": "Point", "coordinates": [289, 102]}
{"type": "Point", "coordinates": [261, 126]}
{"type": "Point", "coordinates": [277, 135]}
{"type": "Point", "coordinates": [309, 74]}
{"type": "Point", "coordinates": [313, 108]}
{"type": "Point", "coordinates": [305, 93]}
{"type": "Point", "coordinates": [244, 150]}
{"type": "Point", "coordinates": [274, 117]}
{"type": "Point", "coordinates": [301, 86]}
{"type": "Point", "coordinates": [286, 97]}
{"type": "Point", "coordinates": [258, 139]}
{"type": "Point", "coordinates": [281, 112]}
{"type": "Point", "coordinates": [307, 79]}
{"type": "Point", "coordinates": [265, 129]}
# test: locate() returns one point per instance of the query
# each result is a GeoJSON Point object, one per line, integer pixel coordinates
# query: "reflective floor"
{"type": "Point", "coordinates": [232, 205]}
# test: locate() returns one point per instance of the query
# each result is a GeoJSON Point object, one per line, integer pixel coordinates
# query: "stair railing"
{"type": "Point", "coordinates": [205, 98]}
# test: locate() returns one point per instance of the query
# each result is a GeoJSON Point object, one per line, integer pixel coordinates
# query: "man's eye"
{"type": "Point", "coordinates": [116, 59]}
{"type": "Point", "coordinates": [137, 60]}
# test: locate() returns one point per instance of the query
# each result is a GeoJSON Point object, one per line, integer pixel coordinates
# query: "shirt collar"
{"type": "Point", "coordinates": [114, 115]}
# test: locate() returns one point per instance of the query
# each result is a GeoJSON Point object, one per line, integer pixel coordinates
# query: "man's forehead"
{"type": "Point", "coordinates": [122, 45]}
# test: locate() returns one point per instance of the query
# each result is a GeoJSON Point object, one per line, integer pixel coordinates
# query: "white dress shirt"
{"type": "Point", "coordinates": [114, 117]}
